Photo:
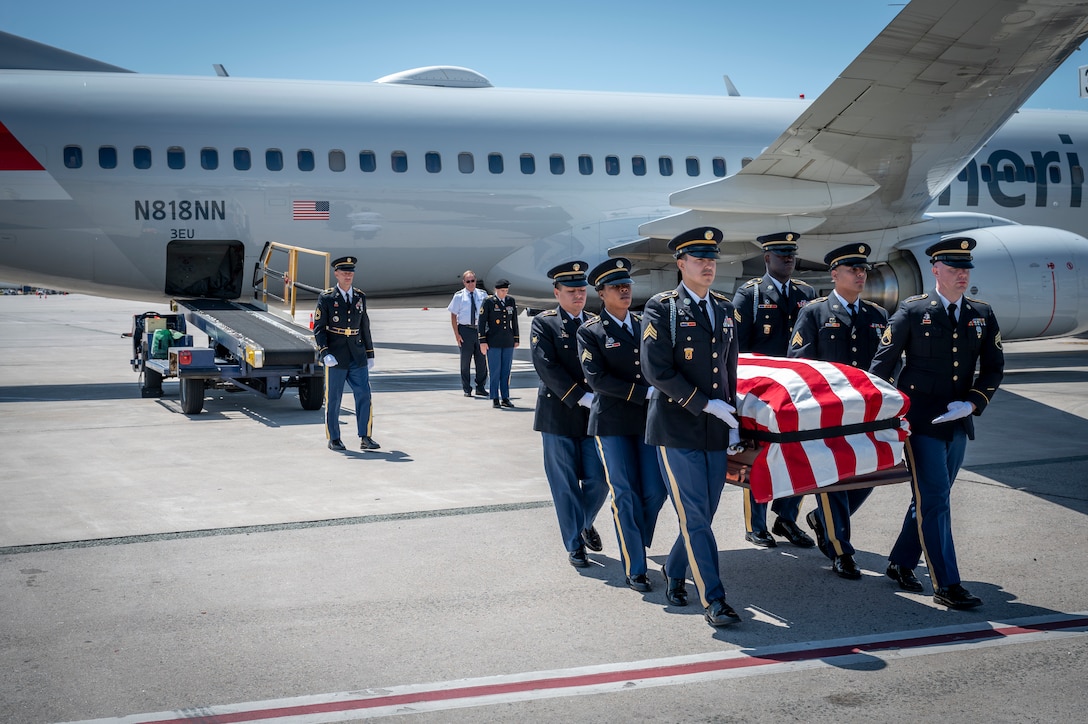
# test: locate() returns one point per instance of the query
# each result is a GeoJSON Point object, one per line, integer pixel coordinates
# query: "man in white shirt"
{"type": "Point", "coordinates": [464, 311]}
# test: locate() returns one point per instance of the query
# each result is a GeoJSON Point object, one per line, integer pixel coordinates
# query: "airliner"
{"type": "Point", "coordinates": [148, 186]}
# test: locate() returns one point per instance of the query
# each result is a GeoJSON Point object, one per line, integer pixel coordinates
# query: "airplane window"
{"type": "Point", "coordinates": [494, 162]}
{"type": "Point", "coordinates": [1029, 174]}
{"type": "Point", "coordinates": [528, 163]}
{"type": "Point", "coordinates": [693, 166]}
{"type": "Point", "coordinates": [466, 163]}
{"type": "Point", "coordinates": [612, 165]}
{"type": "Point", "coordinates": [558, 165]}
{"type": "Point", "coordinates": [664, 165]}
{"type": "Point", "coordinates": [718, 164]}
{"type": "Point", "coordinates": [1077, 175]}
{"type": "Point", "coordinates": [141, 157]}
{"type": "Point", "coordinates": [337, 161]}
{"type": "Point", "coordinates": [399, 160]}
{"type": "Point", "coordinates": [306, 160]}
{"type": "Point", "coordinates": [638, 165]}
{"type": "Point", "coordinates": [986, 173]}
{"type": "Point", "coordinates": [175, 157]}
{"type": "Point", "coordinates": [585, 165]}
{"type": "Point", "coordinates": [107, 157]}
{"type": "Point", "coordinates": [209, 159]}
{"type": "Point", "coordinates": [1055, 175]}
{"type": "Point", "coordinates": [242, 161]}
{"type": "Point", "coordinates": [273, 159]}
{"type": "Point", "coordinates": [368, 162]}
{"type": "Point", "coordinates": [1009, 173]}
{"type": "Point", "coordinates": [432, 161]}
{"type": "Point", "coordinates": [73, 157]}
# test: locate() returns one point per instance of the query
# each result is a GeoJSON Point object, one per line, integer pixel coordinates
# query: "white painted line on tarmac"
{"type": "Point", "coordinates": [610, 678]}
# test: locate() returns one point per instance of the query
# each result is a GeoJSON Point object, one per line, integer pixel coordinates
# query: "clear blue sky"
{"type": "Point", "coordinates": [778, 48]}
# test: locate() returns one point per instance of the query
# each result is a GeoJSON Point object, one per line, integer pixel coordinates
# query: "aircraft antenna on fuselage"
{"type": "Point", "coordinates": [732, 89]}
{"type": "Point", "coordinates": [220, 70]}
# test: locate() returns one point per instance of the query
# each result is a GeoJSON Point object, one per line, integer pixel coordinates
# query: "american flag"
{"type": "Point", "coordinates": [310, 210]}
{"type": "Point", "coordinates": [819, 422]}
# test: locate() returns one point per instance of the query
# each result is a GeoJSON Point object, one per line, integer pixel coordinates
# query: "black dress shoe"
{"type": "Point", "coordinates": [495, 404]}
{"type": "Point", "coordinates": [761, 538]}
{"type": "Point", "coordinates": [592, 539]}
{"type": "Point", "coordinates": [720, 613]}
{"type": "Point", "coordinates": [639, 583]}
{"type": "Point", "coordinates": [481, 392]}
{"type": "Point", "coordinates": [676, 589]}
{"type": "Point", "coordinates": [368, 443]}
{"type": "Point", "coordinates": [578, 557]}
{"type": "Point", "coordinates": [904, 577]}
{"type": "Point", "coordinates": [791, 532]}
{"type": "Point", "coordinates": [336, 445]}
{"type": "Point", "coordinates": [845, 567]}
{"type": "Point", "coordinates": [957, 597]}
{"type": "Point", "coordinates": [507, 403]}
{"type": "Point", "coordinates": [821, 535]}
{"type": "Point", "coordinates": [468, 394]}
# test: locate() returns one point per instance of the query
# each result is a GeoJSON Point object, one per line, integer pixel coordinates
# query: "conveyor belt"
{"type": "Point", "coordinates": [236, 325]}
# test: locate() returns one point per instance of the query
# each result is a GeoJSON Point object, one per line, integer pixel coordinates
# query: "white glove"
{"type": "Point", "coordinates": [369, 364]}
{"type": "Point", "coordinates": [956, 410]}
{"type": "Point", "coordinates": [587, 400]}
{"type": "Point", "coordinates": [329, 360]}
{"type": "Point", "coordinates": [723, 411]}
{"type": "Point", "coordinates": [649, 392]}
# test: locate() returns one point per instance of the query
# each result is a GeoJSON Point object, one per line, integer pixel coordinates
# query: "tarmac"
{"type": "Point", "coordinates": [227, 566]}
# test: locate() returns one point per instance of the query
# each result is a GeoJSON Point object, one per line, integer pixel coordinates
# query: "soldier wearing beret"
{"type": "Point", "coordinates": [498, 328]}
{"type": "Point", "coordinates": [946, 336]}
{"type": "Point", "coordinates": [766, 309]}
{"type": "Point", "coordinates": [689, 355]}
{"type": "Point", "coordinates": [609, 350]}
{"type": "Point", "coordinates": [342, 332]}
{"type": "Point", "coordinates": [843, 328]}
{"type": "Point", "coordinates": [563, 400]}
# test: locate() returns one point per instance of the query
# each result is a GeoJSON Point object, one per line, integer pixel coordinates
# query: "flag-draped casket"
{"type": "Point", "coordinates": [816, 423]}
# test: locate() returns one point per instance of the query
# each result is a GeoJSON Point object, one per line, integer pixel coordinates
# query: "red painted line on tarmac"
{"type": "Point", "coordinates": [734, 661]}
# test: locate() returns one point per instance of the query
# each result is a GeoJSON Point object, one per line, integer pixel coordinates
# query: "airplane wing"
{"type": "Point", "coordinates": [875, 149]}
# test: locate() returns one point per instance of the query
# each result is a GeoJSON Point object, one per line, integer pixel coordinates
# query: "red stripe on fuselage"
{"type": "Point", "coordinates": [13, 156]}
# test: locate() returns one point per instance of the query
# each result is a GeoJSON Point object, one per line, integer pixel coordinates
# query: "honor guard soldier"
{"type": "Point", "coordinates": [499, 336]}
{"type": "Point", "coordinates": [689, 355]}
{"type": "Point", "coordinates": [945, 336]}
{"type": "Point", "coordinates": [342, 332]}
{"type": "Point", "coordinates": [843, 328]}
{"type": "Point", "coordinates": [611, 359]}
{"type": "Point", "coordinates": [766, 308]}
{"type": "Point", "coordinates": [571, 463]}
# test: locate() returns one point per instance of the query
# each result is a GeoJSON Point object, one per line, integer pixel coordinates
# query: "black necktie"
{"type": "Point", "coordinates": [853, 315]}
{"type": "Point", "coordinates": [627, 328]}
{"type": "Point", "coordinates": [952, 313]}
{"type": "Point", "coordinates": [577, 321]}
{"type": "Point", "coordinates": [472, 297]}
{"type": "Point", "coordinates": [706, 312]}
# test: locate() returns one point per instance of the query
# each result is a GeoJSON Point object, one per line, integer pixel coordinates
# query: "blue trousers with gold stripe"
{"type": "Point", "coordinates": [576, 478]}
{"type": "Point", "coordinates": [638, 492]}
{"type": "Point", "coordinates": [695, 479]}
{"type": "Point", "coordinates": [927, 526]}
{"type": "Point", "coordinates": [755, 514]}
{"type": "Point", "coordinates": [358, 377]}
{"type": "Point", "coordinates": [833, 511]}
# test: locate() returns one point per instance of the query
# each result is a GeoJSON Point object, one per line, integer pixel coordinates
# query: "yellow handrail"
{"type": "Point", "coordinates": [291, 285]}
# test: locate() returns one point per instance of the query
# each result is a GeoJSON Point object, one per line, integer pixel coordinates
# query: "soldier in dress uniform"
{"type": "Point", "coordinates": [843, 328]}
{"type": "Point", "coordinates": [342, 331]}
{"type": "Point", "coordinates": [946, 336]}
{"type": "Point", "coordinates": [766, 308]}
{"type": "Point", "coordinates": [689, 355]}
{"type": "Point", "coordinates": [609, 350]}
{"type": "Point", "coordinates": [498, 328]}
{"type": "Point", "coordinates": [563, 400]}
